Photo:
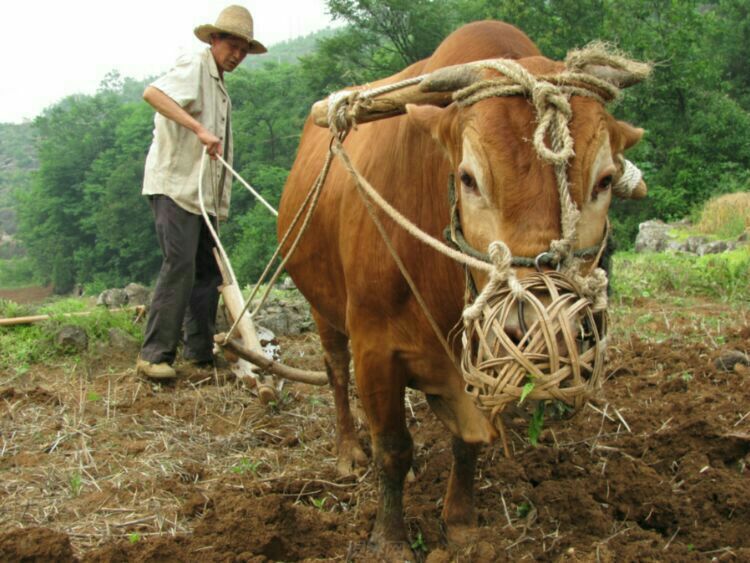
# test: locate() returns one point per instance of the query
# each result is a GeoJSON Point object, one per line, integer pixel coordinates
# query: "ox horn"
{"type": "Point", "coordinates": [450, 78]}
{"type": "Point", "coordinates": [607, 63]}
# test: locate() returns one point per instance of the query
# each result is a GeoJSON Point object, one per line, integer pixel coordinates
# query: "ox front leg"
{"type": "Point", "coordinates": [382, 385]}
{"type": "Point", "coordinates": [336, 351]}
{"type": "Point", "coordinates": [393, 458]}
{"type": "Point", "coordinates": [458, 509]}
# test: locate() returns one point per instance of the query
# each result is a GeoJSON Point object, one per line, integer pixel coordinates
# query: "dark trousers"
{"type": "Point", "coordinates": [186, 295]}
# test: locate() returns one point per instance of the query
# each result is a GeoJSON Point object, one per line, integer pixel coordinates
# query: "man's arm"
{"type": "Point", "coordinates": [172, 110]}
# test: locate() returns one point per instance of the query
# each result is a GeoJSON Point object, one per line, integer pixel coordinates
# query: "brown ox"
{"type": "Point", "coordinates": [360, 297]}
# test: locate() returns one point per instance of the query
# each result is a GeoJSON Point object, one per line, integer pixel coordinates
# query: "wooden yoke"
{"type": "Point", "coordinates": [234, 304]}
{"type": "Point", "coordinates": [391, 105]}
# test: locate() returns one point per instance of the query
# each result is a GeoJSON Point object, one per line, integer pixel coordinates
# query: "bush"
{"type": "Point", "coordinates": [726, 216]}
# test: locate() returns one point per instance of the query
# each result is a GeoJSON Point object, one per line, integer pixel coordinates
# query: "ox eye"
{"type": "Point", "coordinates": [605, 183]}
{"type": "Point", "coordinates": [468, 181]}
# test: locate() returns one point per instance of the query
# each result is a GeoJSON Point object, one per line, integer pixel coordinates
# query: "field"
{"type": "Point", "coordinates": [97, 465]}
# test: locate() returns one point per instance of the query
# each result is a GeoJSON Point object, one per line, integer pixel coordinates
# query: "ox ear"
{"type": "Point", "coordinates": [426, 118]}
{"type": "Point", "coordinates": [631, 135]}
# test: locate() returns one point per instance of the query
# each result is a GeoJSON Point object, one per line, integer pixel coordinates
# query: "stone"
{"type": "Point", "coordinates": [71, 338]}
{"type": "Point", "coordinates": [112, 298]}
{"type": "Point", "coordinates": [692, 244]}
{"type": "Point", "coordinates": [121, 340]}
{"type": "Point", "coordinates": [288, 284]}
{"type": "Point", "coordinates": [652, 236]}
{"type": "Point", "coordinates": [138, 294]}
{"type": "Point", "coordinates": [716, 247]}
{"type": "Point", "coordinates": [731, 358]}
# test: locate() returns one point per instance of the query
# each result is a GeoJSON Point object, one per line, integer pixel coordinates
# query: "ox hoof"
{"type": "Point", "coordinates": [461, 535]}
{"type": "Point", "coordinates": [350, 457]}
{"type": "Point", "coordinates": [396, 551]}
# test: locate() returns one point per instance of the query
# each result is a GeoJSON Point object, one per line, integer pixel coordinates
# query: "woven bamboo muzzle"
{"type": "Point", "coordinates": [561, 354]}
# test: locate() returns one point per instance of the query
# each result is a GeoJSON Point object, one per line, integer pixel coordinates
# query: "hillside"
{"type": "Point", "coordinates": [288, 51]}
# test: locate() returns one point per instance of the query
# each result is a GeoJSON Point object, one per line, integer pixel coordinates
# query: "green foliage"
{"type": "Point", "coordinates": [75, 482]}
{"type": "Point", "coordinates": [418, 544]}
{"type": "Point", "coordinates": [536, 424]}
{"type": "Point", "coordinates": [527, 389]}
{"type": "Point", "coordinates": [81, 218]}
{"type": "Point", "coordinates": [523, 509]}
{"type": "Point", "coordinates": [246, 466]}
{"type": "Point", "coordinates": [723, 276]}
{"type": "Point", "coordinates": [17, 272]}
{"type": "Point", "coordinates": [23, 345]}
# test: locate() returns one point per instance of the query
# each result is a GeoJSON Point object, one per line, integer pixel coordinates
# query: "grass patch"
{"type": "Point", "coordinates": [719, 276]}
{"type": "Point", "coordinates": [23, 345]}
{"type": "Point", "coordinates": [726, 216]}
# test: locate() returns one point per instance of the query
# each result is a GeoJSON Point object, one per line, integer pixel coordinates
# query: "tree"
{"type": "Point", "coordinates": [71, 134]}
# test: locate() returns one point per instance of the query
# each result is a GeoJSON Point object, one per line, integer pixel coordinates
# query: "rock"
{"type": "Point", "coordinates": [288, 284]}
{"type": "Point", "coordinates": [71, 339]}
{"type": "Point", "coordinates": [692, 244]}
{"type": "Point", "coordinates": [729, 359]}
{"type": "Point", "coordinates": [121, 340]}
{"type": "Point", "coordinates": [716, 247]}
{"type": "Point", "coordinates": [652, 236]}
{"type": "Point", "coordinates": [138, 294]}
{"type": "Point", "coordinates": [286, 315]}
{"type": "Point", "coordinates": [112, 298]}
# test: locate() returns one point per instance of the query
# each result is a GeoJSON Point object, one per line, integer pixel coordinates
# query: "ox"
{"type": "Point", "coordinates": [358, 295]}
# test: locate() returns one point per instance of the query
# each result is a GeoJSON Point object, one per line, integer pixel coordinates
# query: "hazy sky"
{"type": "Point", "coordinates": [54, 48]}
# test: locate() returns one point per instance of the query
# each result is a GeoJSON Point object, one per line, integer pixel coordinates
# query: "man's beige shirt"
{"type": "Point", "coordinates": [174, 159]}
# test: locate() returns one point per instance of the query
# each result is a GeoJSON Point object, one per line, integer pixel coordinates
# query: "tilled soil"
{"type": "Point", "coordinates": [98, 466]}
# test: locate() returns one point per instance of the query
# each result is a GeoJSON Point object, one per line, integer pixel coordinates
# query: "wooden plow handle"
{"type": "Point", "coordinates": [262, 361]}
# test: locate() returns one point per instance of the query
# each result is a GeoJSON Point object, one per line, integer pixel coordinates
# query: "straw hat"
{"type": "Point", "coordinates": [236, 21]}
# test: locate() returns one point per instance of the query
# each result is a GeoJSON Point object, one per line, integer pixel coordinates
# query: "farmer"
{"type": "Point", "coordinates": [193, 113]}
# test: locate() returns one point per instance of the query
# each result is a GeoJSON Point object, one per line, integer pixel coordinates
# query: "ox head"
{"type": "Point", "coordinates": [506, 189]}
{"type": "Point", "coordinates": [537, 159]}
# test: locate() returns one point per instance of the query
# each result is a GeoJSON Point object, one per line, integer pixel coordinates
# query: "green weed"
{"type": "Point", "coordinates": [75, 482]}
{"type": "Point", "coordinates": [527, 389]}
{"type": "Point", "coordinates": [418, 544]}
{"type": "Point", "coordinates": [245, 466]}
{"type": "Point", "coordinates": [536, 424]}
{"type": "Point", "coordinates": [523, 509]}
{"type": "Point", "coordinates": [319, 503]}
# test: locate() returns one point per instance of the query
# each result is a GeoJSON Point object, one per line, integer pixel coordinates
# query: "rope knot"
{"type": "Point", "coordinates": [500, 256]}
{"type": "Point", "coordinates": [340, 120]}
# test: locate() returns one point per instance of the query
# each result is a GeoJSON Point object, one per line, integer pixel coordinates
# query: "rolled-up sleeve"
{"type": "Point", "coordinates": [182, 83]}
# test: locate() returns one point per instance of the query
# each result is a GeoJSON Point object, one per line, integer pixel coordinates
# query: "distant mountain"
{"type": "Point", "coordinates": [289, 51]}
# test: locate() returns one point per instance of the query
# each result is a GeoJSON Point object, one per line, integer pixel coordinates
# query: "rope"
{"type": "Point", "coordinates": [310, 202]}
{"type": "Point", "coordinates": [248, 186]}
{"type": "Point", "coordinates": [629, 181]}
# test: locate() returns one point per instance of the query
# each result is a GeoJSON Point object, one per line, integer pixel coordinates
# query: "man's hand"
{"type": "Point", "coordinates": [171, 110]}
{"type": "Point", "coordinates": [211, 142]}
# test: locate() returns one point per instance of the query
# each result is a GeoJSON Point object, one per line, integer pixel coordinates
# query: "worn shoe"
{"type": "Point", "coordinates": [162, 371]}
